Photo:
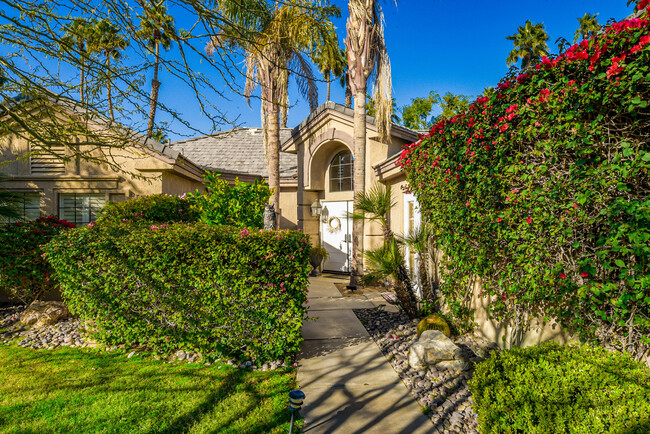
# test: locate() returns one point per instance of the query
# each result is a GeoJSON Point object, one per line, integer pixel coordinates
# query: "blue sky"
{"type": "Point", "coordinates": [441, 45]}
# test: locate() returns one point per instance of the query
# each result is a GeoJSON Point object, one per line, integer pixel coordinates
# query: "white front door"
{"type": "Point", "coordinates": [412, 221]}
{"type": "Point", "coordinates": [336, 235]}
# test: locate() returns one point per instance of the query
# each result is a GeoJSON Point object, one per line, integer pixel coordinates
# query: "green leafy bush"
{"type": "Point", "coordinates": [157, 208]}
{"type": "Point", "coordinates": [540, 191]}
{"type": "Point", "coordinates": [24, 274]}
{"type": "Point", "coordinates": [211, 289]}
{"type": "Point", "coordinates": [561, 389]}
{"type": "Point", "coordinates": [240, 204]}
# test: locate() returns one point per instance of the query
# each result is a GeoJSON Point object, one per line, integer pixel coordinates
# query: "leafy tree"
{"type": "Point", "coordinates": [156, 29]}
{"type": "Point", "coordinates": [589, 26]}
{"type": "Point", "coordinates": [417, 115]}
{"type": "Point", "coordinates": [529, 44]}
{"type": "Point", "coordinates": [453, 105]}
{"type": "Point", "coordinates": [371, 110]}
{"type": "Point", "coordinates": [367, 53]}
{"type": "Point", "coordinates": [276, 38]}
{"type": "Point", "coordinates": [108, 39]}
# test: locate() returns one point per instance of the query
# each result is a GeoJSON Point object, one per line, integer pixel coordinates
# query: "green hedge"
{"type": "Point", "coordinates": [561, 389]}
{"type": "Point", "coordinates": [212, 289]}
{"type": "Point", "coordinates": [24, 274]}
{"type": "Point", "coordinates": [157, 208]}
{"type": "Point", "coordinates": [540, 190]}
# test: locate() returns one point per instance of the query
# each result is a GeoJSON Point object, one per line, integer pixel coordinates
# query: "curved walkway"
{"type": "Point", "coordinates": [349, 385]}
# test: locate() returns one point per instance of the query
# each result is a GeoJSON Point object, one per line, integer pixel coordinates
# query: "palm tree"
{"type": "Point", "coordinates": [367, 52]}
{"type": "Point", "coordinates": [156, 29]}
{"type": "Point", "coordinates": [108, 39]}
{"type": "Point", "coordinates": [274, 38]}
{"type": "Point", "coordinates": [375, 205]}
{"type": "Point", "coordinates": [330, 60]}
{"type": "Point", "coordinates": [589, 26]}
{"type": "Point", "coordinates": [77, 35]}
{"type": "Point", "coordinates": [529, 44]}
{"type": "Point", "coordinates": [371, 109]}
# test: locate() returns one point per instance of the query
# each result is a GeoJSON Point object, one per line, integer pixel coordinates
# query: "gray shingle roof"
{"type": "Point", "coordinates": [240, 150]}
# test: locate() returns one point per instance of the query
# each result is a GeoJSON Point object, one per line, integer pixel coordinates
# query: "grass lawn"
{"type": "Point", "coordinates": [80, 391]}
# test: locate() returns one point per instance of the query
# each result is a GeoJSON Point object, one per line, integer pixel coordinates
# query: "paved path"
{"type": "Point", "coordinates": [349, 385]}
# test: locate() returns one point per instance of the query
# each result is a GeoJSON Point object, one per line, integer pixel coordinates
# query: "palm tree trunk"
{"type": "Point", "coordinates": [404, 292]}
{"type": "Point", "coordinates": [155, 86]}
{"type": "Point", "coordinates": [359, 183]}
{"type": "Point", "coordinates": [348, 94]}
{"type": "Point", "coordinates": [273, 156]}
{"type": "Point", "coordinates": [108, 86]}
{"type": "Point", "coordinates": [329, 82]}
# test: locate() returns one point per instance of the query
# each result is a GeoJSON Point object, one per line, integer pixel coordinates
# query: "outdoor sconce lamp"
{"type": "Point", "coordinates": [316, 208]}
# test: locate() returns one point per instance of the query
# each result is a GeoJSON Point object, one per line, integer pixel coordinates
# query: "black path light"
{"type": "Point", "coordinates": [296, 397]}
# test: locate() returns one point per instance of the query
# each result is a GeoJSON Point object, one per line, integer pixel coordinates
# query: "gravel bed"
{"type": "Point", "coordinates": [443, 394]}
{"type": "Point", "coordinates": [71, 333]}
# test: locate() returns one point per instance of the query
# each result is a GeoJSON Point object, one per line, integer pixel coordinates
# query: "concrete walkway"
{"type": "Point", "coordinates": [349, 385]}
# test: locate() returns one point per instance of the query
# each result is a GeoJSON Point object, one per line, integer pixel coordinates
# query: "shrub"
{"type": "Point", "coordinates": [157, 208]}
{"type": "Point", "coordinates": [240, 204]}
{"type": "Point", "coordinates": [24, 274]}
{"type": "Point", "coordinates": [211, 289]}
{"type": "Point", "coordinates": [540, 191]}
{"type": "Point", "coordinates": [559, 389]}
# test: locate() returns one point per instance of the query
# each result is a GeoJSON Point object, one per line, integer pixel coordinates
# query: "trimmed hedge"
{"type": "Point", "coordinates": [157, 208]}
{"type": "Point", "coordinates": [211, 289]}
{"type": "Point", "coordinates": [24, 274]}
{"type": "Point", "coordinates": [560, 389]}
{"type": "Point", "coordinates": [540, 191]}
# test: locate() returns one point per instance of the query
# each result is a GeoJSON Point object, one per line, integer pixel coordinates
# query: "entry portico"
{"type": "Point", "coordinates": [324, 146]}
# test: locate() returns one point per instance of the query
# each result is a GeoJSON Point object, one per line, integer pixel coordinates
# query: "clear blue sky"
{"type": "Point", "coordinates": [441, 45]}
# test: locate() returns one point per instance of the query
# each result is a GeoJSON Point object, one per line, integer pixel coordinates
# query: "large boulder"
{"type": "Point", "coordinates": [43, 313]}
{"type": "Point", "coordinates": [435, 350]}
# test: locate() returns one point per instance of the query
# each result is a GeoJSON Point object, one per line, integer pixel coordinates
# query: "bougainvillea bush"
{"type": "Point", "coordinates": [212, 289]}
{"type": "Point", "coordinates": [541, 191]}
{"type": "Point", "coordinates": [24, 274]}
{"type": "Point", "coordinates": [552, 388]}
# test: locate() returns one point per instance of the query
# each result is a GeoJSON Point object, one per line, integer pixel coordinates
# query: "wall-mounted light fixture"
{"type": "Point", "coordinates": [316, 208]}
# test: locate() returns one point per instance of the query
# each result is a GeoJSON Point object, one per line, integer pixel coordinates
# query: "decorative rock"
{"type": "Point", "coordinates": [44, 313]}
{"type": "Point", "coordinates": [434, 349]}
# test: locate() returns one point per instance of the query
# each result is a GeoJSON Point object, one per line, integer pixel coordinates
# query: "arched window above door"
{"type": "Point", "coordinates": [341, 172]}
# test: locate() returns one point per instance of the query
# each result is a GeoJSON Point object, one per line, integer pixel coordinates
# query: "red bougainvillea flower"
{"type": "Point", "coordinates": [499, 219]}
{"type": "Point", "coordinates": [584, 274]}
{"type": "Point", "coordinates": [529, 220]}
{"type": "Point", "coordinates": [562, 276]}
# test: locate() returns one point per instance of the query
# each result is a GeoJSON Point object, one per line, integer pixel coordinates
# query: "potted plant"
{"type": "Point", "coordinates": [316, 257]}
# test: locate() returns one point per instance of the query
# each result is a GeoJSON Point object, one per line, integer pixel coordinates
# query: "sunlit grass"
{"type": "Point", "coordinates": [81, 391]}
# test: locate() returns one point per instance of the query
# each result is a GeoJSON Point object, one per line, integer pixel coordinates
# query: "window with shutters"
{"type": "Point", "coordinates": [80, 208]}
{"type": "Point", "coordinates": [47, 162]}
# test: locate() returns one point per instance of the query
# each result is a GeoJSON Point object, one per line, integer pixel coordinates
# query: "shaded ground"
{"type": "Point", "coordinates": [82, 390]}
{"type": "Point", "coordinates": [443, 394]}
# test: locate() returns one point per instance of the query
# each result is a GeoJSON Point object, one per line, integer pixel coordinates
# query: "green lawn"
{"type": "Point", "coordinates": [80, 391]}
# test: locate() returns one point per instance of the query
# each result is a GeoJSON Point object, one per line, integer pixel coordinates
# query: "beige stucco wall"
{"type": "Point", "coordinates": [141, 174]}
{"type": "Point", "coordinates": [288, 207]}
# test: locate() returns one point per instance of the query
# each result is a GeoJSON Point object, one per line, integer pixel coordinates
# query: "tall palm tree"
{"type": "Point", "coordinates": [529, 44]}
{"type": "Point", "coordinates": [157, 30]}
{"type": "Point", "coordinates": [274, 38]}
{"type": "Point", "coordinates": [367, 53]}
{"type": "Point", "coordinates": [108, 40]}
{"type": "Point", "coordinates": [330, 60]}
{"type": "Point", "coordinates": [589, 26]}
{"type": "Point", "coordinates": [77, 36]}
